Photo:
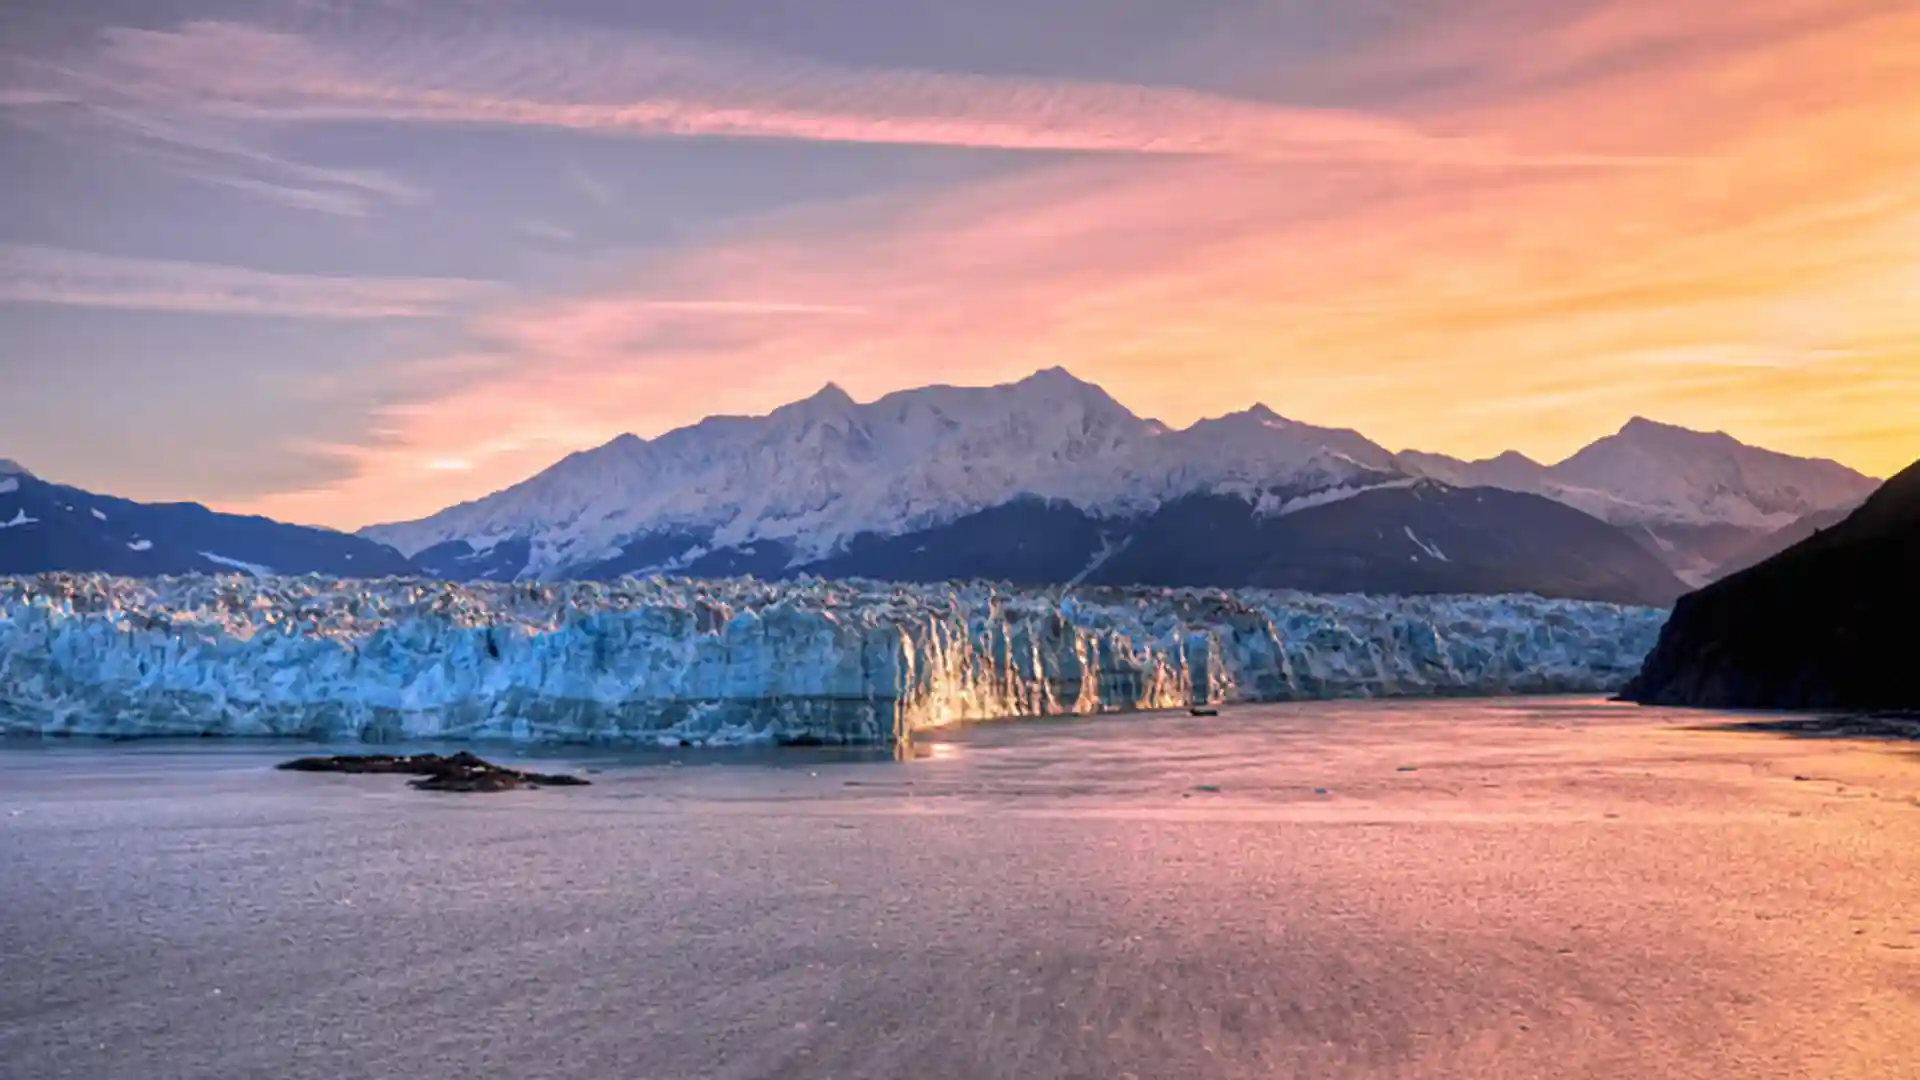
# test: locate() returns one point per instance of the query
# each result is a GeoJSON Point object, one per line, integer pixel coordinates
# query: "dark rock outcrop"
{"type": "Point", "coordinates": [1827, 624]}
{"type": "Point", "coordinates": [462, 771]}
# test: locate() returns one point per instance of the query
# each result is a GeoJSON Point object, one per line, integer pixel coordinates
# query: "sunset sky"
{"type": "Point", "coordinates": [344, 262]}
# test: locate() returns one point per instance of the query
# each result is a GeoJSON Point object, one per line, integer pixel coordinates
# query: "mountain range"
{"type": "Point", "coordinates": [1698, 499]}
{"type": "Point", "coordinates": [1050, 480]}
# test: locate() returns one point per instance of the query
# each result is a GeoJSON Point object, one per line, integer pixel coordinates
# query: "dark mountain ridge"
{"type": "Point", "coordinates": [53, 527]}
{"type": "Point", "coordinates": [1826, 624]}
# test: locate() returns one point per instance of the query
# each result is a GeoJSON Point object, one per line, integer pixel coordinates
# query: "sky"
{"type": "Point", "coordinates": [351, 261]}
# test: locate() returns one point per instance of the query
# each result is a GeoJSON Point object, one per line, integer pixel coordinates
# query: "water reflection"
{"type": "Point", "coordinates": [502, 752]}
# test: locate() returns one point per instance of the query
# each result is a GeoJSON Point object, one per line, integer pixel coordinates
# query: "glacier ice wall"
{"type": "Point", "coordinates": [728, 661]}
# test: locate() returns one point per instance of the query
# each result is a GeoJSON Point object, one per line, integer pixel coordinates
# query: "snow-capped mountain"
{"type": "Point", "coordinates": [50, 527]}
{"type": "Point", "coordinates": [1045, 480]}
{"type": "Point", "coordinates": [819, 480]}
{"type": "Point", "coordinates": [1695, 498]}
{"type": "Point", "coordinates": [814, 475]}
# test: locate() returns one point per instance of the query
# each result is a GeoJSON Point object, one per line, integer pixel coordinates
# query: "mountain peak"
{"type": "Point", "coordinates": [1641, 423]}
{"type": "Point", "coordinates": [827, 402]}
{"type": "Point", "coordinates": [832, 394]}
{"type": "Point", "coordinates": [1055, 376]}
{"type": "Point", "coordinates": [1057, 386]}
{"type": "Point", "coordinates": [1513, 457]}
{"type": "Point", "coordinates": [1256, 416]}
{"type": "Point", "coordinates": [1674, 475]}
{"type": "Point", "coordinates": [10, 467]}
{"type": "Point", "coordinates": [1641, 429]}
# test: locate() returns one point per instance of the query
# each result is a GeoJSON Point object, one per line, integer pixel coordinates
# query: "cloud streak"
{"type": "Point", "coordinates": [202, 149]}
{"type": "Point", "coordinates": [189, 142]}
{"type": "Point", "coordinates": [646, 86]}
{"type": "Point", "coordinates": [1762, 285]}
{"type": "Point", "coordinates": [43, 275]}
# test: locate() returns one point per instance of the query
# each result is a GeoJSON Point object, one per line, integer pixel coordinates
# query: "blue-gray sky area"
{"type": "Point", "coordinates": [350, 260]}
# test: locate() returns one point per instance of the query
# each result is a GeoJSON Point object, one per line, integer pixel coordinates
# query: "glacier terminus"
{"type": "Point", "coordinates": [640, 661]}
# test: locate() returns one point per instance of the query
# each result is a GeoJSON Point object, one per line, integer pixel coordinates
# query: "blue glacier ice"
{"type": "Point", "coordinates": [669, 660]}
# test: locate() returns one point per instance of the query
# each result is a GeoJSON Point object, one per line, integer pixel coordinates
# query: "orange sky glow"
{"type": "Point", "coordinates": [1708, 214]}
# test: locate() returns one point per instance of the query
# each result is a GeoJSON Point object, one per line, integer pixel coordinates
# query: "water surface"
{"type": "Point", "coordinates": [1543, 888]}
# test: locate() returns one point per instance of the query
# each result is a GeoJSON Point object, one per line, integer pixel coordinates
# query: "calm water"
{"type": "Point", "coordinates": [1449, 889]}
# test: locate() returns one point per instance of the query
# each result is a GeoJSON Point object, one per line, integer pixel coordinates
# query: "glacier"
{"type": "Point", "coordinates": [678, 661]}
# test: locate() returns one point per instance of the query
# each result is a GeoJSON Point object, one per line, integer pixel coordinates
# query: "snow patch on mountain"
{"type": "Point", "coordinates": [1270, 505]}
{"type": "Point", "coordinates": [1432, 550]}
{"type": "Point", "coordinates": [19, 518]}
{"type": "Point", "coordinates": [255, 569]}
{"type": "Point", "coordinates": [1109, 547]}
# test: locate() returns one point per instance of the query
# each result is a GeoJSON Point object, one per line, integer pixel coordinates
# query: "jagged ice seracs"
{"type": "Point", "coordinates": [673, 661]}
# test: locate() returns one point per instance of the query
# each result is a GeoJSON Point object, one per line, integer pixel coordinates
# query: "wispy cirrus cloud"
{"type": "Point", "coordinates": [75, 103]}
{"type": "Point", "coordinates": [650, 86]}
{"type": "Point", "coordinates": [541, 229]}
{"type": "Point", "coordinates": [1764, 284]}
{"type": "Point", "coordinates": [206, 148]}
{"type": "Point", "coordinates": [592, 187]}
{"type": "Point", "coordinates": [43, 275]}
{"type": "Point", "coordinates": [205, 98]}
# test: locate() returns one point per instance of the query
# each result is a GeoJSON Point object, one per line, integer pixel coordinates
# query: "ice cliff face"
{"type": "Point", "coordinates": [656, 660]}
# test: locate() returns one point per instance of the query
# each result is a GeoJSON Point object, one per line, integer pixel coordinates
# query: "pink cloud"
{"type": "Point", "coordinates": [655, 86]}
{"type": "Point", "coordinates": [1763, 284]}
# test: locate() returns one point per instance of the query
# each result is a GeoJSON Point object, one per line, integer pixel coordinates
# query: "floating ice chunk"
{"type": "Point", "coordinates": [139, 545]}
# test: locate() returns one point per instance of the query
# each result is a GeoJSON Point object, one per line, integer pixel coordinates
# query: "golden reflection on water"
{"type": "Point", "coordinates": [905, 748]}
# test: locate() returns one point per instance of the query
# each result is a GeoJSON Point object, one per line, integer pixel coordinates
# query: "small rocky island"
{"type": "Point", "coordinates": [461, 771]}
{"type": "Point", "coordinates": [1830, 623]}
